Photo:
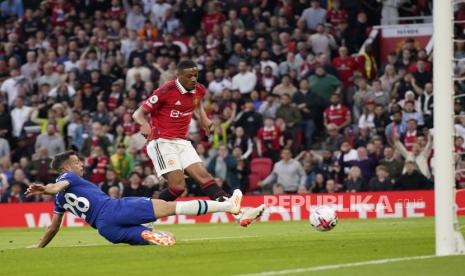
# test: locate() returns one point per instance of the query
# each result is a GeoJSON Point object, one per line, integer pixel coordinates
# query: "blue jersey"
{"type": "Point", "coordinates": [82, 198]}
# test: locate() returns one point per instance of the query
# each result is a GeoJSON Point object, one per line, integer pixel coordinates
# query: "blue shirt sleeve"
{"type": "Point", "coordinates": [71, 177]}
{"type": "Point", "coordinates": [58, 209]}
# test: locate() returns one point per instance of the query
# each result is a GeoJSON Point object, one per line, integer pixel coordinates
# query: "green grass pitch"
{"type": "Point", "coordinates": [227, 249]}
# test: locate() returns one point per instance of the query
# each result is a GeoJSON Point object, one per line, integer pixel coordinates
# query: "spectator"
{"type": "Point", "coordinates": [267, 81]}
{"type": "Point", "coordinates": [241, 141]}
{"type": "Point", "coordinates": [190, 14]}
{"type": "Point", "coordinates": [396, 127]}
{"type": "Point", "coordinates": [412, 179]}
{"type": "Point", "coordinates": [334, 139]}
{"type": "Point", "coordinates": [52, 140]}
{"type": "Point", "coordinates": [95, 166]}
{"type": "Point", "coordinates": [249, 120]}
{"type": "Point", "coordinates": [39, 169]}
{"type": "Point", "coordinates": [319, 185]}
{"type": "Point", "coordinates": [322, 42]}
{"type": "Point", "coordinates": [244, 81]}
{"type": "Point", "coordinates": [269, 139]}
{"type": "Point", "coordinates": [111, 181]}
{"type": "Point", "coordinates": [14, 194]}
{"type": "Point", "coordinates": [330, 187]}
{"type": "Point", "coordinates": [393, 164]}
{"type": "Point", "coordinates": [224, 167]}
{"type": "Point", "coordinates": [418, 155]}
{"type": "Point", "coordinates": [114, 192]}
{"type": "Point", "coordinates": [313, 15]}
{"type": "Point", "coordinates": [355, 182]}
{"type": "Point", "coordinates": [427, 104]}
{"type": "Point", "coordinates": [135, 187]}
{"type": "Point", "coordinates": [219, 83]}
{"type": "Point", "coordinates": [290, 114]}
{"type": "Point", "coordinates": [4, 148]}
{"type": "Point", "coordinates": [291, 63]}
{"type": "Point", "coordinates": [96, 139]}
{"type": "Point", "coordinates": [324, 85]}
{"type": "Point", "coordinates": [6, 127]}
{"type": "Point", "coordinates": [337, 114]}
{"type": "Point", "coordinates": [19, 115]}
{"type": "Point", "coordinates": [285, 87]}
{"type": "Point", "coordinates": [212, 18]}
{"type": "Point", "coordinates": [288, 172]}
{"type": "Point", "coordinates": [135, 18]}
{"type": "Point", "coordinates": [381, 182]}
{"type": "Point", "coordinates": [345, 66]}
{"type": "Point", "coordinates": [121, 162]}
{"type": "Point", "coordinates": [309, 105]}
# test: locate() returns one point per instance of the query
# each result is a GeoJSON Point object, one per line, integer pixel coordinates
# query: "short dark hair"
{"type": "Point", "coordinates": [59, 159]}
{"type": "Point", "coordinates": [186, 64]}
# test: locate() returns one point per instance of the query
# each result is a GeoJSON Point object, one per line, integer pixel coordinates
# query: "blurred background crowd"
{"type": "Point", "coordinates": [299, 101]}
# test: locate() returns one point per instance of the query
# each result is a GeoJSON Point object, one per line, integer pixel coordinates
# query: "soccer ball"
{"type": "Point", "coordinates": [323, 218]}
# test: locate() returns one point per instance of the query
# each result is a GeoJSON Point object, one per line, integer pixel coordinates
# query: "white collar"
{"type": "Point", "coordinates": [331, 107]}
{"type": "Point", "coordinates": [182, 89]}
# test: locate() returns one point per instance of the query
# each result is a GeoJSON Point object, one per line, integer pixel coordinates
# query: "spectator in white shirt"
{"type": "Point", "coordinates": [244, 81]}
{"type": "Point", "coordinates": [49, 77]}
{"type": "Point", "coordinates": [266, 61]}
{"type": "Point", "coordinates": [73, 62]}
{"type": "Point", "coordinates": [10, 87]}
{"type": "Point", "coordinates": [19, 115]}
{"type": "Point", "coordinates": [219, 83]}
{"type": "Point", "coordinates": [137, 69]}
{"type": "Point", "coordinates": [135, 18]}
{"type": "Point", "coordinates": [322, 42]}
{"type": "Point", "coordinates": [30, 69]}
{"type": "Point", "coordinates": [314, 15]}
{"type": "Point", "coordinates": [158, 13]}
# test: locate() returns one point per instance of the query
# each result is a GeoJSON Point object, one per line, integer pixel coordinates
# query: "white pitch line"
{"type": "Point", "coordinates": [338, 266]}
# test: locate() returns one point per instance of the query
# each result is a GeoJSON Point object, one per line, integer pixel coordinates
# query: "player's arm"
{"type": "Point", "coordinates": [140, 117]}
{"type": "Point", "coordinates": [50, 189]}
{"type": "Point", "coordinates": [52, 230]}
{"type": "Point", "coordinates": [201, 115]}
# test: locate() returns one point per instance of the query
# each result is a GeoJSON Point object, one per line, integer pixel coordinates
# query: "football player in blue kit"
{"type": "Point", "coordinates": [117, 220]}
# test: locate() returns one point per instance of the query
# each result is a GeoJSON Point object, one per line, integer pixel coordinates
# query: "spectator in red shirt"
{"type": "Point", "coordinates": [345, 66]}
{"type": "Point", "coordinates": [337, 114]}
{"type": "Point", "coordinates": [410, 137]}
{"type": "Point", "coordinates": [96, 165]}
{"type": "Point", "coordinates": [269, 140]}
{"type": "Point", "coordinates": [60, 11]}
{"type": "Point", "coordinates": [212, 18]}
{"type": "Point", "coordinates": [336, 14]}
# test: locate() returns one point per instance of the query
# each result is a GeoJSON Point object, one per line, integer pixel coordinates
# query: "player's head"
{"type": "Point", "coordinates": [187, 74]}
{"type": "Point", "coordinates": [67, 161]}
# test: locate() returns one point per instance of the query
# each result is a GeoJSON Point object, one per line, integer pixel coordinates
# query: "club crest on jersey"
{"type": "Point", "coordinates": [170, 162]}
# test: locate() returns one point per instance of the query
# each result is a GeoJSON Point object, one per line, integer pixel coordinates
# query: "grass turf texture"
{"type": "Point", "coordinates": [227, 249]}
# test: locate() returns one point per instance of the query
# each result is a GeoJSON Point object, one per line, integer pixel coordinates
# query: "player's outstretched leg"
{"type": "Point", "coordinates": [206, 181]}
{"type": "Point", "coordinates": [190, 208]}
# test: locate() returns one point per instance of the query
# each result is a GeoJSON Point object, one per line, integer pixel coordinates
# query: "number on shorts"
{"type": "Point", "coordinates": [75, 204]}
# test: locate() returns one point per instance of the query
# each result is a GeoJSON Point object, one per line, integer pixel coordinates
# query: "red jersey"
{"type": "Point", "coordinates": [345, 67]}
{"type": "Point", "coordinates": [269, 138]}
{"type": "Point", "coordinates": [171, 108]}
{"type": "Point", "coordinates": [99, 165]}
{"type": "Point", "coordinates": [410, 139]}
{"type": "Point", "coordinates": [336, 16]}
{"type": "Point", "coordinates": [210, 20]}
{"type": "Point", "coordinates": [336, 115]}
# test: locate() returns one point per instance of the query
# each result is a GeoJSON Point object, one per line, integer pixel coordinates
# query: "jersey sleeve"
{"type": "Point", "coordinates": [58, 209]}
{"type": "Point", "coordinates": [152, 102]}
{"type": "Point", "coordinates": [70, 177]}
{"type": "Point", "coordinates": [201, 90]}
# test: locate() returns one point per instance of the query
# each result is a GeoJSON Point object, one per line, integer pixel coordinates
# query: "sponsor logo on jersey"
{"type": "Point", "coordinates": [178, 102]}
{"type": "Point", "coordinates": [176, 113]}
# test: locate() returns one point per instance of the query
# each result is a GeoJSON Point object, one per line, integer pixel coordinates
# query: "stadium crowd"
{"type": "Point", "coordinates": [291, 81]}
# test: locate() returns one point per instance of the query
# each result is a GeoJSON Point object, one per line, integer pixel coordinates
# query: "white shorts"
{"type": "Point", "coordinates": [171, 154]}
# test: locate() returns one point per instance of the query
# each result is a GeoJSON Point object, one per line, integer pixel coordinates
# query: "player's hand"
{"type": "Point", "coordinates": [35, 189]}
{"type": "Point", "coordinates": [207, 126]}
{"type": "Point", "coordinates": [145, 130]}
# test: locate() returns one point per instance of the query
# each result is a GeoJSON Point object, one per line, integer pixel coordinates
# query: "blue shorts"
{"type": "Point", "coordinates": [120, 220]}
